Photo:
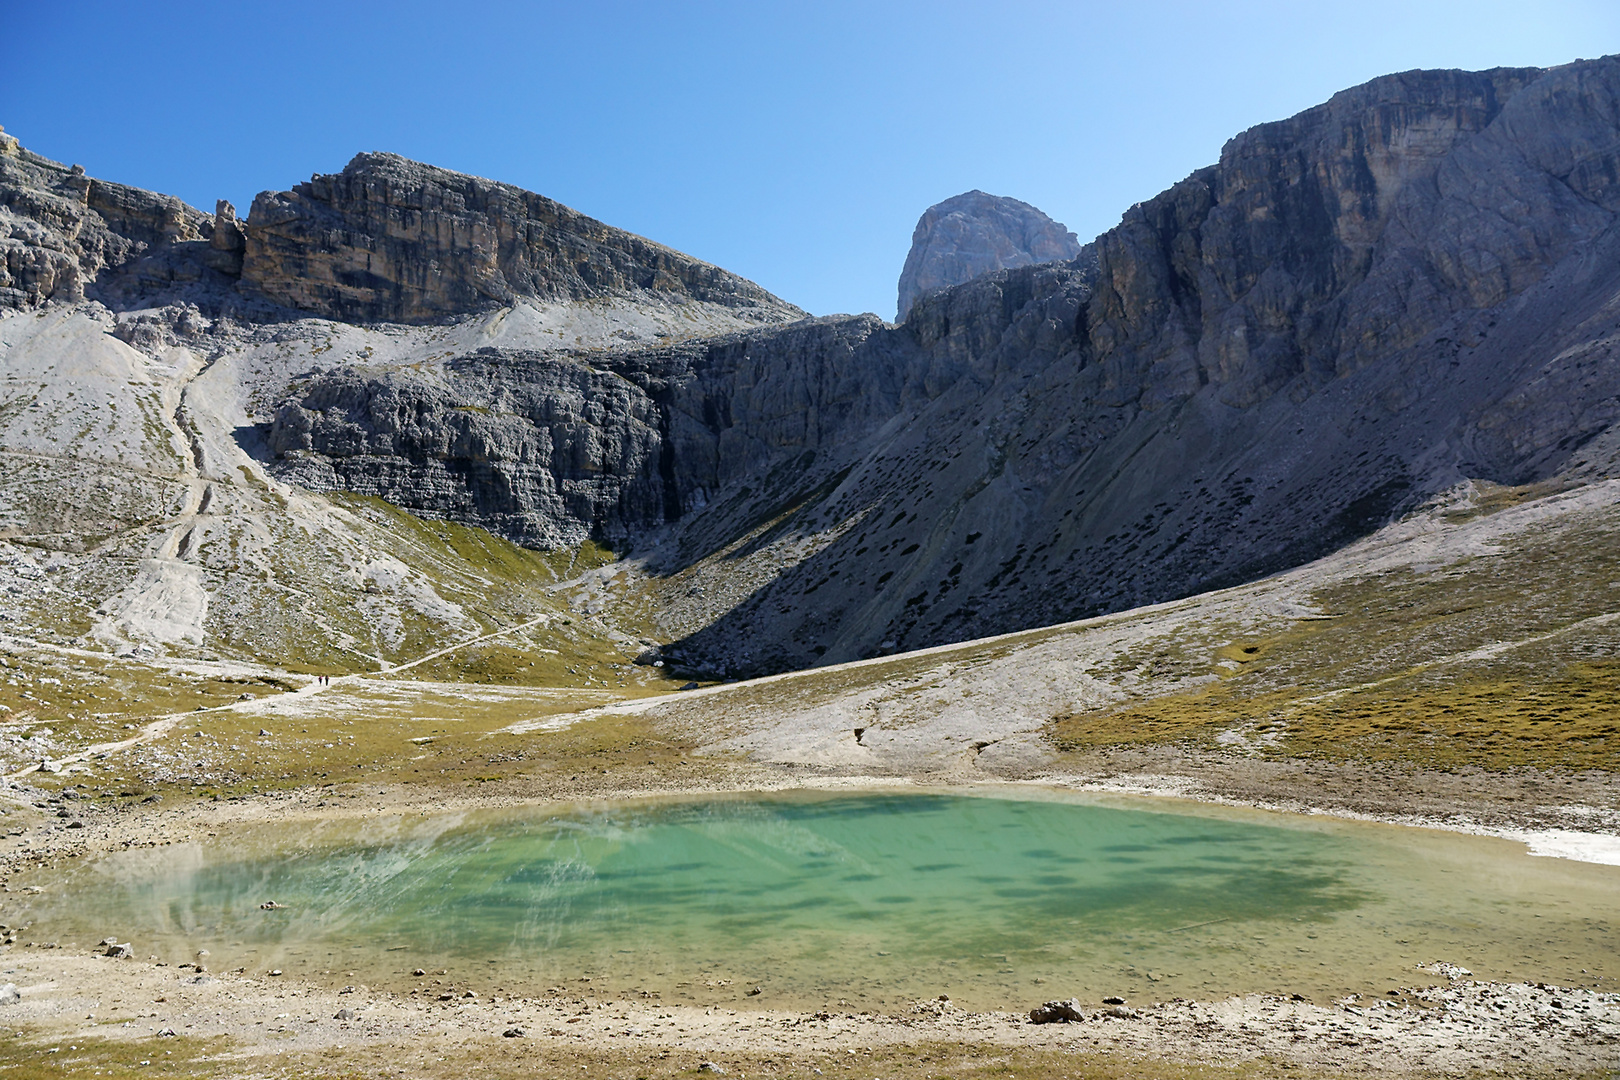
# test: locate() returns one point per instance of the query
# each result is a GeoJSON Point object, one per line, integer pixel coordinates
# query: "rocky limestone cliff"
{"type": "Point", "coordinates": [385, 240]}
{"type": "Point", "coordinates": [1357, 308]}
{"type": "Point", "coordinates": [61, 230]}
{"type": "Point", "coordinates": [392, 240]}
{"type": "Point", "coordinates": [1413, 285]}
{"type": "Point", "coordinates": [972, 234]}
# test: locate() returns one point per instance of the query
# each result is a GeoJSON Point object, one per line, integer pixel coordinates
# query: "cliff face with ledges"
{"type": "Point", "coordinates": [391, 239]}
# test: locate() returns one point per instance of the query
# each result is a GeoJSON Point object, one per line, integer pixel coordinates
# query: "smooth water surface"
{"type": "Point", "coordinates": [871, 899]}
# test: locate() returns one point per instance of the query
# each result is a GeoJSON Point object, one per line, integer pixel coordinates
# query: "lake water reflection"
{"type": "Point", "coordinates": [873, 899]}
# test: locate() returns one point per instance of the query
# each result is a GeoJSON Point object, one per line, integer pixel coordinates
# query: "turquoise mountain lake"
{"type": "Point", "coordinates": [870, 899]}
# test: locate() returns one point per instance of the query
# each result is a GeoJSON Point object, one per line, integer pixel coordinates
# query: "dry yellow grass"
{"type": "Point", "coordinates": [1501, 661]}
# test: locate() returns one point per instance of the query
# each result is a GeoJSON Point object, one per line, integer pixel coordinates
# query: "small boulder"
{"type": "Point", "coordinates": [344, 1014]}
{"type": "Point", "coordinates": [512, 1033]}
{"type": "Point", "coordinates": [120, 952]}
{"type": "Point", "coordinates": [1113, 1001]}
{"type": "Point", "coordinates": [9, 994]}
{"type": "Point", "coordinates": [1057, 1012]}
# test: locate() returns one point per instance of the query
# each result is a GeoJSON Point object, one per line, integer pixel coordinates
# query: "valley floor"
{"type": "Point", "coordinates": [1456, 670]}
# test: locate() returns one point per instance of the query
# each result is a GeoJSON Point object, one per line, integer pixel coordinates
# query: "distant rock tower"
{"type": "Point", "coordinates": [973, 234]}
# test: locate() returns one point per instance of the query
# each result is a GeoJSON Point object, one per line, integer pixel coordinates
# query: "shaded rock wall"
{"type": "Point", "coordinates": [61, 230]}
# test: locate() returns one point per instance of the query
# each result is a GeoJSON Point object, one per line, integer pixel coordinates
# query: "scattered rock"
{"type": "Point", "coordinates": [513, 1033]}
{"type": "Point", "coordinates": [344, 1014]}
{"type": "Point", "coordinates": [120, 952]}
{"type": "Point", "coordinates": [709, 1067]}
{"type": "Point", "coordinates": [1055, 1012]}
{"type": "Point", "coordinates": [1113, 1001]}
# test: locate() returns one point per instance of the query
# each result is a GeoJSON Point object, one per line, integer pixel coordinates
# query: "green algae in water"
{"type": "Point", "coordinates": [870, 899]}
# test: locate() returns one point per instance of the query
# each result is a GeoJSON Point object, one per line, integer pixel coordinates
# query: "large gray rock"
{"type": "Point", "coordinates": [972, 234]}
{"type": "Point", "coordinates": [1334, 323]}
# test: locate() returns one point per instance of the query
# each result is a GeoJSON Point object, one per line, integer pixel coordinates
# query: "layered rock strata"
{"type": "Point", "coordinates": [389, 239]}
{"type": "Point", "coordinates": [385, 240]}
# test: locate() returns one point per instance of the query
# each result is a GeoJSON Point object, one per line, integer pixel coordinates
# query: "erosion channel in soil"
{"type": "Point", "coordinates": [856, 899]}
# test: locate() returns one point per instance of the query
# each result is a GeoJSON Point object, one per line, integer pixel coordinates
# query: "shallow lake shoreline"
{"type": "Point", "coordinates": [1437, 1025]}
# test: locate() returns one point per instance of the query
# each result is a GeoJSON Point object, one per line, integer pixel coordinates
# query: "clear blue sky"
{"type": "Point", "coordinates": [794, 143]}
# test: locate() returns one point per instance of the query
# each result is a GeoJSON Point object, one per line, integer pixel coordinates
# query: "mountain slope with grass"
{"type": "Point", "coordinates": [1356, 310]}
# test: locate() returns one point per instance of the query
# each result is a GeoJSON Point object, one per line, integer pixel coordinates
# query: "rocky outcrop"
{"type": "Point", "coordinates": [392, 240]}
{"type": "Point", "coordinates": [555, 449]}
{"type": "Point", "coordinates": [972, 234]}
{"type": "Point", "coordinates": [385, 240]}
{"type": "Point", "coordinates": [60, 230]}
